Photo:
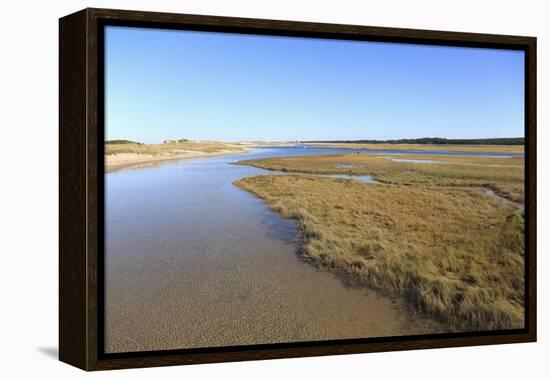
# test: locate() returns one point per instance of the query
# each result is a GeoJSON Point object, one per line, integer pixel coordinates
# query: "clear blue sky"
{"type": "Point", "coordinates": [163, 84]}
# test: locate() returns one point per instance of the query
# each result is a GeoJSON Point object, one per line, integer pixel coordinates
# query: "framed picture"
{"type": "Point", "coordinates": [238, 189]}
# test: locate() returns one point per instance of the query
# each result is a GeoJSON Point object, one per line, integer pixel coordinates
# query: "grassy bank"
{"type": "Point", "coordinates": [430, 233]}
{"type": "Point", "coordinates": [128, 147]}
{"type": "Point", "coordinates": [503, 175]}
{"type": "Point", "coordinates": [120, 154]}
{"type": "Point", "coordinates": [393, 146]}
{"type": "Point", "coordinates": [456, 253]}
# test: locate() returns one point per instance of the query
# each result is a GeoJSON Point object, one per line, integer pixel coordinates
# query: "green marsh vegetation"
{"type": "Point", "coordinates": [430, 232]}
{"type": "Point", "coordinates": [122, 142]}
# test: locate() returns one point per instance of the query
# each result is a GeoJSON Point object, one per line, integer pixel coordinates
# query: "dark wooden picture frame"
{"type": "Point", "coordinates": [81, 185]}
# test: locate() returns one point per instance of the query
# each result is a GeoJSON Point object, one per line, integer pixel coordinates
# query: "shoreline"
{"type": "Point", "coordinates": [288, 195]}
{"type": "Point", "coordinates": [375, 232]}
{"type": "Point", "coordinates": [121, 161]}
{"type": "Point", "coordinates": [484, 149]}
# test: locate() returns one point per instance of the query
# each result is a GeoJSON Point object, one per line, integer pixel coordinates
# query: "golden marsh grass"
{"type": "Point", "coordinates": [503, 175]}
{"type": "Point", "coordinates": [396, 146]}
{"type": "Point", "coordinates": [456, 253]}
{"type": "Point", "coordinates": [428, 232]}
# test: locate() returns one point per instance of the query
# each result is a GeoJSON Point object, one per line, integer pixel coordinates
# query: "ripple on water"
{"type": "Point", "coordinates": [194, 261]}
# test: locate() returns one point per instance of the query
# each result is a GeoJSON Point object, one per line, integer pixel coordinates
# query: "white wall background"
{"type": "Point", "coordinates": [28, 198]}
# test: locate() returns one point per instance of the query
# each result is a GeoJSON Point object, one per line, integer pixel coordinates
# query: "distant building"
{"type": "Point", "coordinates": [176, 141]}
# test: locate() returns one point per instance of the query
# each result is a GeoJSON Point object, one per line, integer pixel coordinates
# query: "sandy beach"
{"type": "Point", "coordinates": [119, 161]}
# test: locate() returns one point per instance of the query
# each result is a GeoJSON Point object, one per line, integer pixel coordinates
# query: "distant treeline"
{"type": "Point", "coordinates": [436, 141]}
{"type": "Point", "coordinates": [121, 142]}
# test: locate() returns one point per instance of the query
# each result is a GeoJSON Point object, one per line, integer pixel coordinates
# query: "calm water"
{"type": "Point", "coordinates": [193, 261]}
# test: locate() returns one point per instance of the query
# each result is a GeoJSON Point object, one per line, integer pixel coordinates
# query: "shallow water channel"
{"type": "Point", "coordinates": [193, 261]}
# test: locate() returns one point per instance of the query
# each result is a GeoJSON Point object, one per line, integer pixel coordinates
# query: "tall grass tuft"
{"type": "Point", "coordinates": [456, 253]}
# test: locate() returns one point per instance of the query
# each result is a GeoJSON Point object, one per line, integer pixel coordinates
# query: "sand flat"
{"type": "Point", "coordinates": [119, 161]}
